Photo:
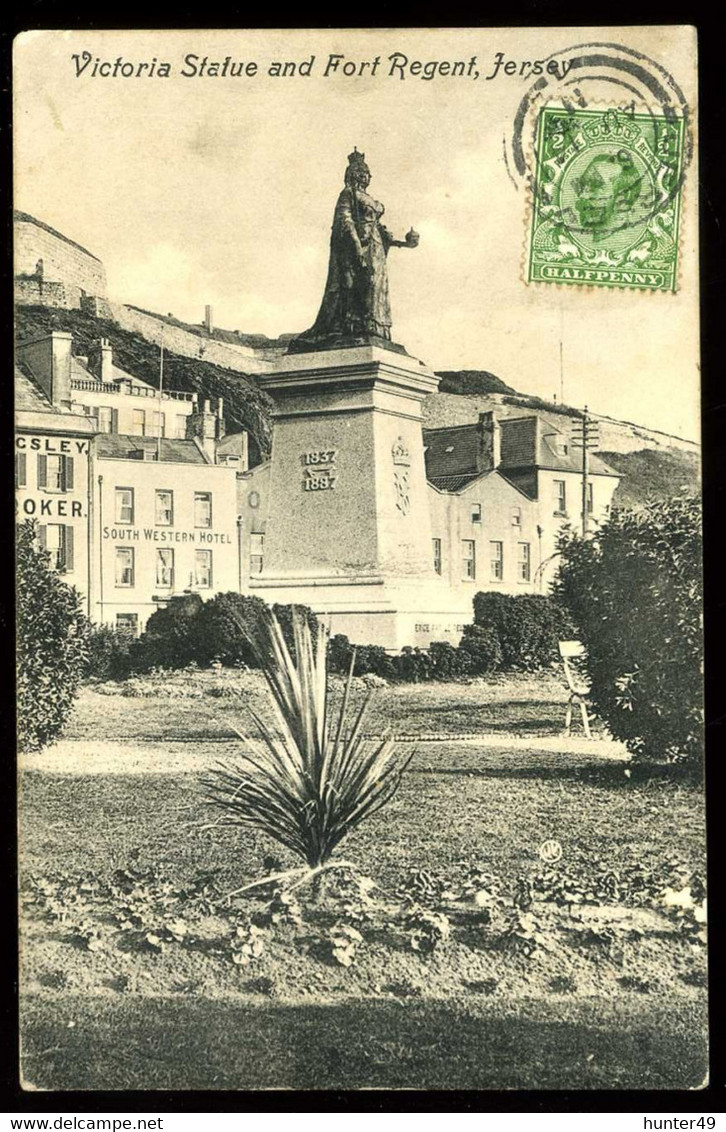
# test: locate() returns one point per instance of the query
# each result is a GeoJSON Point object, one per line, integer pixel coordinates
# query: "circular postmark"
{"type": "Point", "coordinates": [589, 74]}
{"type": "Point", "coordinates": [604, 176]}
{"type": "Point", "coordinates": [550, 851]}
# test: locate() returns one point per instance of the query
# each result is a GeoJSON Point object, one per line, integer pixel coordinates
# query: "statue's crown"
{"type": "Point", "coordinates": [356, 158]}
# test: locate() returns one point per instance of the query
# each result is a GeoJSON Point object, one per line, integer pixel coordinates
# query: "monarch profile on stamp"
{"type": "Point", "coordinates": [606, 203]}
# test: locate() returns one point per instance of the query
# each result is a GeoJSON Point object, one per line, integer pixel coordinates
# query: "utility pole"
{"type": "Point", "coordinates": [161, 386]}
{"type": "Point", "coordinates": [586, 434]}
{"type": "Point", "coordinates": [562, 368]}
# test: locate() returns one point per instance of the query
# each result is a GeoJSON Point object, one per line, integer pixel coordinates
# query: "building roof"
{"type": "Point", "coordinates": [451, 453]}
{"type": "Point", "coordinates": [526, 442]}
{"type": "Point", "coordinates": [29, 396]}
{"type": "Point", "coordinates": [452, 483]}
{"type": "Point", "coordinates": [113, 446]}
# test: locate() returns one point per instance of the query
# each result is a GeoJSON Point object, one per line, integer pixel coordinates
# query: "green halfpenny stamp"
{"type": "Point", "coordinates": [607, 199]}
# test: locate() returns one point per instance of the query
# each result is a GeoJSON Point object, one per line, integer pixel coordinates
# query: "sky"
{"type": "Point", "coordinates": [198, 190]}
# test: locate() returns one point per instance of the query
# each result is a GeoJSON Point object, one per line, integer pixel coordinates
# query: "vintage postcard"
{"type": "Point", "coordinates": [359, 645]}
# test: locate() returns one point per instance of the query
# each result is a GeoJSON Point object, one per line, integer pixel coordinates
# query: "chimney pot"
{"type": "Point", "coordinates": [489, 445]}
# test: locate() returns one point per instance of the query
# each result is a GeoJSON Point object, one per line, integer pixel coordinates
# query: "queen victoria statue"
{"type": "Point", "coordinates": [355, 308]}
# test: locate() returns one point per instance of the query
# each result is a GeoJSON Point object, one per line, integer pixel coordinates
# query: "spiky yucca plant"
{"type": "Point", "coordinates": [311, 781]}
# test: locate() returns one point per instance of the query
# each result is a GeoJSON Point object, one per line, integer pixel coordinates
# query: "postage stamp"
{"type": "Point", "coordinates": [607, 197]}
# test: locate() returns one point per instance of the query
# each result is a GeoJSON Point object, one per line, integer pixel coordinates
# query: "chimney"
{"type": "Point", "coordinates": [208, 320]}
{"type": "Point", "coordinates": [49, 361]}
{"type": "Point", "coordinates": [489, 442]}
{"type": "Point", "coordinates": [100, 361]}
{"type": "Point", "coordinates": [203, 425]}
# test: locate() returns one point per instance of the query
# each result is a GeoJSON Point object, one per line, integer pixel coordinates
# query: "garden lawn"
{"type": "Point", "coordinates": [207, 705]}
{"type": "Point", "coordinates": [467, 1016]}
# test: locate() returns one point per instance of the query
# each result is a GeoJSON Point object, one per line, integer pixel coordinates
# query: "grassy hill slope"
{"type": "Point", "coordinates": [652, 474]}
{"type": "Point", "coordinates": [471, 381]}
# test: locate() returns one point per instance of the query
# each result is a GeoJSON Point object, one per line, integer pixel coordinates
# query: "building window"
{"type": "Point", "coordinates": [468, 560]}
{"type": "Point", "coordinates": [476, 512]}
{"type": "Point", "coordinates": [560, 497]}
{"type": "Point", "coordinates": [257, 551]}
{"type": "Point", "coordinates": [165, 568]}
{"type": "Point", "coordinates": [203, 569]}
{"type": "Point", "coordinates": [124, 566]}
{"type": "Point", "coordinates": [138, 428]}
{"type": "Point", "coordinates": [158, 424]}
{"type": "Point", "coordinates": [128, 624]}
{"type": "Point", "coordinates": [202, 508]}
{"type": "Point", "coordinates": [124, 505]}
{"type": "Point", "coordinates": [181, 426]}
{"type": "Point", "coordinates": [21, 469]}
{"type": "Point", "coordinates": [516, 516]}
{"type": "Point", "coordinates": [437, 555]}
{"type": "Point", "coordinates": [54, 477]}
{"type": "Point", "coordinates": [496, 561]}
{"type": "Point", "coordinates": [165, 508]}
{"type": "Point", "coordinates": [523, 562]}
{"type": "Point", "coordinates": [57, 539]}
{"type": "Point", "coordinates": [55, 473]}
{"type": "Point", "coordinates": [104, 416]}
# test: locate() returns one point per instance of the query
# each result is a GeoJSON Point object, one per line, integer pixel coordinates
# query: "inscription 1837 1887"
{"type": "Point", "coordinates": [607, 197]}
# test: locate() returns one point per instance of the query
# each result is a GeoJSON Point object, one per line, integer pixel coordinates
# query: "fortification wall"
{"type": "Point", "coordinates": [244, 359]}
{"type": "Point", "coordinates": [63, 261]}
{"type": "Point", "coordinates": [31, 290]}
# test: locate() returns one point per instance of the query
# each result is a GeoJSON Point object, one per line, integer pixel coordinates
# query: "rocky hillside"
{"type": "Point", "coordinates": [245, 405]}
{"type": "Point", "coordinates": [652, 464]}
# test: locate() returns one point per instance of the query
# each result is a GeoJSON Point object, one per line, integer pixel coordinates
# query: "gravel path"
{"type": "Point", "coordinates": [76, 756]}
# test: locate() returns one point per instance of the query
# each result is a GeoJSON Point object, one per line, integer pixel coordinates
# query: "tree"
{"type": "Point", "coordinates": [51, 643]}
{"type": "Point", "coordinates": [635, 591]}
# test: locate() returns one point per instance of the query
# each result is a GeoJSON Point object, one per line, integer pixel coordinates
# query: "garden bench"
{"type": "Point", "coordinates": [573, 652]}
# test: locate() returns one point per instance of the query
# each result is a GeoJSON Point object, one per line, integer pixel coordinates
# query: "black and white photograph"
{"type": "Point", "coordinates": [359, 560]}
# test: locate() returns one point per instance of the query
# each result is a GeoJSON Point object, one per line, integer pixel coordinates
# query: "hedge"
{"type": "Point", "coordinates": [518, 632]}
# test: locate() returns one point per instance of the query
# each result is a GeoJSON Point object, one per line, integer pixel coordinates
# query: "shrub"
{"type": "Point", "coordinates": [222, 625]}
{"type": "Point", "coordinates": [340, 650]}
{"type": "Point", "coordinates": [480, 643]}
{"type": "Point", "coordinates": [109, 653]}
{"type": "Point", "coordinates": [447, 661]}
{"type": "Point", "coordinates": [191, 630]}
{"type": "Point", "coordinates": [51, 643]}
{"type": "Point", "coordinates": [285, 614]}
{"type": "Point", "coordinates": [171, 636]}
{"type": "Point", "coordinates": [635, 591]}
{"type": "Point", "coordinates": [529, 627]}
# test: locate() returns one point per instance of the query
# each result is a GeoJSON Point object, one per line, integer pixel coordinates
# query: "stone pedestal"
{"type": "Point", "coordinates": [348, 527]}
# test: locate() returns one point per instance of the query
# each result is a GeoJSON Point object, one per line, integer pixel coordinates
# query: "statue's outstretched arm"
{"type": "Point", "coordinates": [410, 240]}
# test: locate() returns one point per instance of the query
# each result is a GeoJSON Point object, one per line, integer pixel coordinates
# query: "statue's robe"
{"type": "Point", "coordinates": [355, 303]}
